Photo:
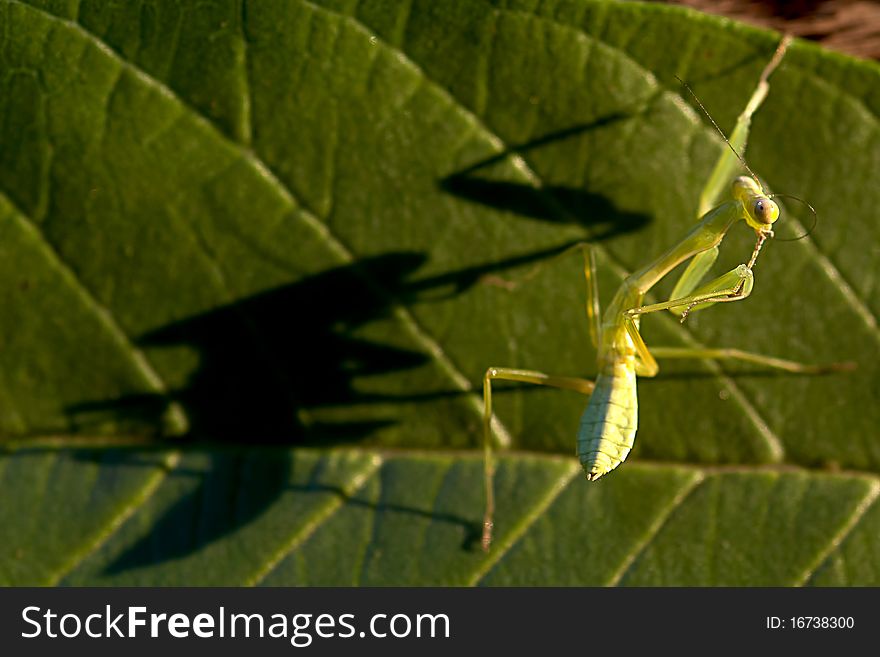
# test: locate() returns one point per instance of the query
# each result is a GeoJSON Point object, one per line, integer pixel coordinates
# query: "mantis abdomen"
{"type": "Point", "coordinates": [608, 425]}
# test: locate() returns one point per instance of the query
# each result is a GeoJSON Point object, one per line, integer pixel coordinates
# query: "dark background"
{"type": "Point", "coordinates": [850, 26]}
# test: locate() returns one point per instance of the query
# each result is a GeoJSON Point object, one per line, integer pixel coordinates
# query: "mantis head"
{"type": "Point", "coordinates": [760, 210]}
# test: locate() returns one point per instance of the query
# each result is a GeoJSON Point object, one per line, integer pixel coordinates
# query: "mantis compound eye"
{"type": "Point", "coordinates": [765, 211]}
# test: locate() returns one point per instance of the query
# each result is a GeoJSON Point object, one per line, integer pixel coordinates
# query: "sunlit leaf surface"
{"type": "Point", "coordinates": [252, 267]}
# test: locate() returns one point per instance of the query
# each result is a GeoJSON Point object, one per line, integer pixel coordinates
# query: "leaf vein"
{"type": "Point", "coordinates": [655, 528]}
{"type": "Point", "coordinates": [836, 540]}
{"type": "Point", "coordinates": [138, 501]}
{"type": "Point", "coordinates": [502, 547]}
{"type": "Point", "coordinates": [245, 130]}
{"type": "Point", "coordinates": [319, 517]}
{"type": "Point", "coordinates": [104, 316]}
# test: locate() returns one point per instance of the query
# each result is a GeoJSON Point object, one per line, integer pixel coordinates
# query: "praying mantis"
{"type": "Point", "coordinates": [609, 422]}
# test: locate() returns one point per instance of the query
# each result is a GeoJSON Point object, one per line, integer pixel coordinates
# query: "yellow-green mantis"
{"type": "Point", "coordinates": [608, 425]}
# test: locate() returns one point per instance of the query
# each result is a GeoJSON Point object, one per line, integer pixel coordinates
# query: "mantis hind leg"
{"type": "Point", "coordinates": [750, 357]}
{"type": "Point", "coordinates": [647, 363]}
{"type": "Point", "coordinates": [728, 164]}
{"type": "Point", "coordinates": [726, 167]}
{"type": "Point", "coordinates": [524, 376]}
{"type": "Point", "coordinates": [592, 296]}
{"type": "Point", "coordinates": [593, 311]}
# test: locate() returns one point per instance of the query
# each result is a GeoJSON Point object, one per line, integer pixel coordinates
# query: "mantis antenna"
{"type": "Point", "coordinates": [719, 130]}
{"type": "Point", "coordinates": [768, 69]}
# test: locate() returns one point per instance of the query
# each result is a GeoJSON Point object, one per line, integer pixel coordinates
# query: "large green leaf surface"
{"type": "Point", "coordinates": [252, 268]}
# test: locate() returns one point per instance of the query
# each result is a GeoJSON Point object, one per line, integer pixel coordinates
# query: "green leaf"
{"type": "Point", "coordinates": [252, 259]}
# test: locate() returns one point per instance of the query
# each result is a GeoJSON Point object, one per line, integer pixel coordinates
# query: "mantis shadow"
{"type": "Point", "coordinates": [216, 493]}
{"type": "Point", "coordinates": [284, 366]}
{"type": "Point", "coordinates": [276, 369]}
{"type": "Point", "coordinates": [273, 366]}
{"type": "Point", "coordinates": [600, 218]}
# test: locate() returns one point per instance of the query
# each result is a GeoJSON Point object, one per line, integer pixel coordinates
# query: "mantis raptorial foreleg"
{"type": "Point", "coordinates": [733, 286]}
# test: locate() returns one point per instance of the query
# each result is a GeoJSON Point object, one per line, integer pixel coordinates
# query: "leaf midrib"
{"type": "Point", "coordinates": [553, 491]}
